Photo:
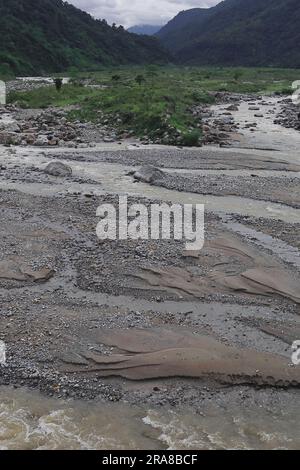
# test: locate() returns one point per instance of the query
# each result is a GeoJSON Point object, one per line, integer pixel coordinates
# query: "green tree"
{"type": "Point", "coordinates": [237, 75]}
{"type": "Point", "coordinates": [140, 79]}
{"type": "Point", "coordinates": [58, 82]}
{"type": "Point", "coordinates": [116, 78]}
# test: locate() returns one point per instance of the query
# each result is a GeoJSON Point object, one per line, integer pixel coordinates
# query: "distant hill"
{"type": "Point", "coordinates": [147, 29]}
{"type": "Point", "coordinates": [183, 27]}
{"type": "Point", "coordinates": [43, 36]}
{"type": "Point", "coordinates": [237, 33]}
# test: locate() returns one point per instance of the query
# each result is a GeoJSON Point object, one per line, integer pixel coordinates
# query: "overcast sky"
{"type": "Point", "coordinates": [132, 12]}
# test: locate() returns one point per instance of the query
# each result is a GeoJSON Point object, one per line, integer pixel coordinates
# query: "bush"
{"type": "Point", "coordinates": [140, 79]}
{"type": "Point", "coordinates": [191, 139]}
{"type": "Point", "coordinates": [202, 97]}
{"type": "Point", "coordinates": [116, 78]}
{"type": "Point", "coordinates": [285, 91]}
{"type": "Point", "coordinates": [237, 75]}
{"type": "Point", "coordinates": [58, 82]}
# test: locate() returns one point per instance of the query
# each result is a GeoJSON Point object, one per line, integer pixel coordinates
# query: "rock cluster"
{"type": "Point", "coordinates": [27, 85]}
{"type": "Point", "coordinates": [223, 97]}
{"type": "Point", "coordinates": [219, 130]}
{"type": "Point", "coordinates": [216, 129]}
{"type": "Point", "coordinates": [290, 115]}
{"type": "Point", "coordinates": [50, 128]}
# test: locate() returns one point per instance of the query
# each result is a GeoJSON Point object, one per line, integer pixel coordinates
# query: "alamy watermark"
{"type": "Point", "coordinates": [152, 222]}
{"type": "Point", "coordinates": [296, 94]}
{"type": "Point", "coordinates": [2, 92]}
{"type": "Point", "coordinates": [2, 353]}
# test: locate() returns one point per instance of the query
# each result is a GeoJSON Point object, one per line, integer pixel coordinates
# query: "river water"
{"type": "Point", "coordinates": [28, 420]}
{"type": "Point", "coordinates": [113, 178]}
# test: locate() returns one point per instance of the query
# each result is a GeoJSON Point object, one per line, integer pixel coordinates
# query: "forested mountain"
{"type": "Point", "coordinates": [147, 29]}
{"type": "Point", "coordinates": [40, 36]}
{"type": "Point", "coordinates": [183, 27]}
{"type": "Point", "coordinates": [237, 32]}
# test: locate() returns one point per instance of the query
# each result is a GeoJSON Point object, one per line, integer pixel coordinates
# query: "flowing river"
{"type": "Point", "coordinates": [31, 421]}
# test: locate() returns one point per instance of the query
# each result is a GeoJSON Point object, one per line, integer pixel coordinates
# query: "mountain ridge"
{"type": "Point", "coordinates": [236, 33]}
{"type": "Point", "coordinates": [145, 29]}
{"type": "Point", "coordinates": [47, 36]}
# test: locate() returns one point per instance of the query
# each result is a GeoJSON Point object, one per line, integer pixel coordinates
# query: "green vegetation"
{"type": "Point", "coordinates": [47, 36]}
{"type": "Point", "coordinates": [159, 104]}
{"type": "Point", "coordinates": [49, 96]}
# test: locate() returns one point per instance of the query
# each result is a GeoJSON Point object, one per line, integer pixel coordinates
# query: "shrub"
{"type": "Point", "coordinates": [58, 82]}
{"type": "Point", "coordinates": [116, 78]}
{"type": "Point", "coordinates": [140, 79]}
{"type": "Point", "coordinates": [285, 91]}
{"type": "Point", "coordinates": [191, 139]}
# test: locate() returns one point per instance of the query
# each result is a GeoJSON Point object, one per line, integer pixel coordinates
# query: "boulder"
{"type": "Point", "coordinates": [9, 126]}
{"type": "Point", "coordinates": [41, 141]}
{"type": "Point", "coordinates": [148, 174]}
{"type": "Point", "coordinates": [58, 169]}
{"type": "Point", "coordinates": [18, 270]}
{"type": "Point", "coordinates": [232, 107]}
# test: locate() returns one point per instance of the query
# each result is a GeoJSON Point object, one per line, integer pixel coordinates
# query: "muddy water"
{"type": "Point", "coordinates": [267, 135]}
{"type": "Point", "coordinates": [216, 204]}
{"type": "Point", "coordinates": [111, 178]}
{"type": "Point", "coordinates": [30, 421]}
{"type": "Point", "coordinates": [279, 248]}
{"type": "Point", "coordinates": [41, 79]}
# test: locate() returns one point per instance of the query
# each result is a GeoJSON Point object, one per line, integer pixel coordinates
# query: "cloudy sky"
{"type": "Point", "coordinates": [132, 12]}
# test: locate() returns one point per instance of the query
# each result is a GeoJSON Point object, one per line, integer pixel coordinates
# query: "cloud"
{"type": "Point", "coordinates": [132, 12]}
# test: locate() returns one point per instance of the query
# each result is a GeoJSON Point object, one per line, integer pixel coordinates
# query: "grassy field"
{"type": "Point", "coordinates": [154, 101]}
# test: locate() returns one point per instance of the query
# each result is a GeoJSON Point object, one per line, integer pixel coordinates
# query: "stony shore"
{"type": "Point", "coordinates": [69, 301]}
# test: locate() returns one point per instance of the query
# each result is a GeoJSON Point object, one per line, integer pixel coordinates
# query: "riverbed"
{"type": "Point", "coordinates": [69, 302]}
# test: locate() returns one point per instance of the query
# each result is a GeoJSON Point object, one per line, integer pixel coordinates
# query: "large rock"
{"type": "Point", "coordinates": [58, 169]}
{"type": "Point", "coordinates": [18, 270]}
{"type": "Point", "coordinates": [9, 126]}
{"type": "Point", "coordinates": [148, 174]}
{"type": "Point", "coordinates": [41, 141]}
